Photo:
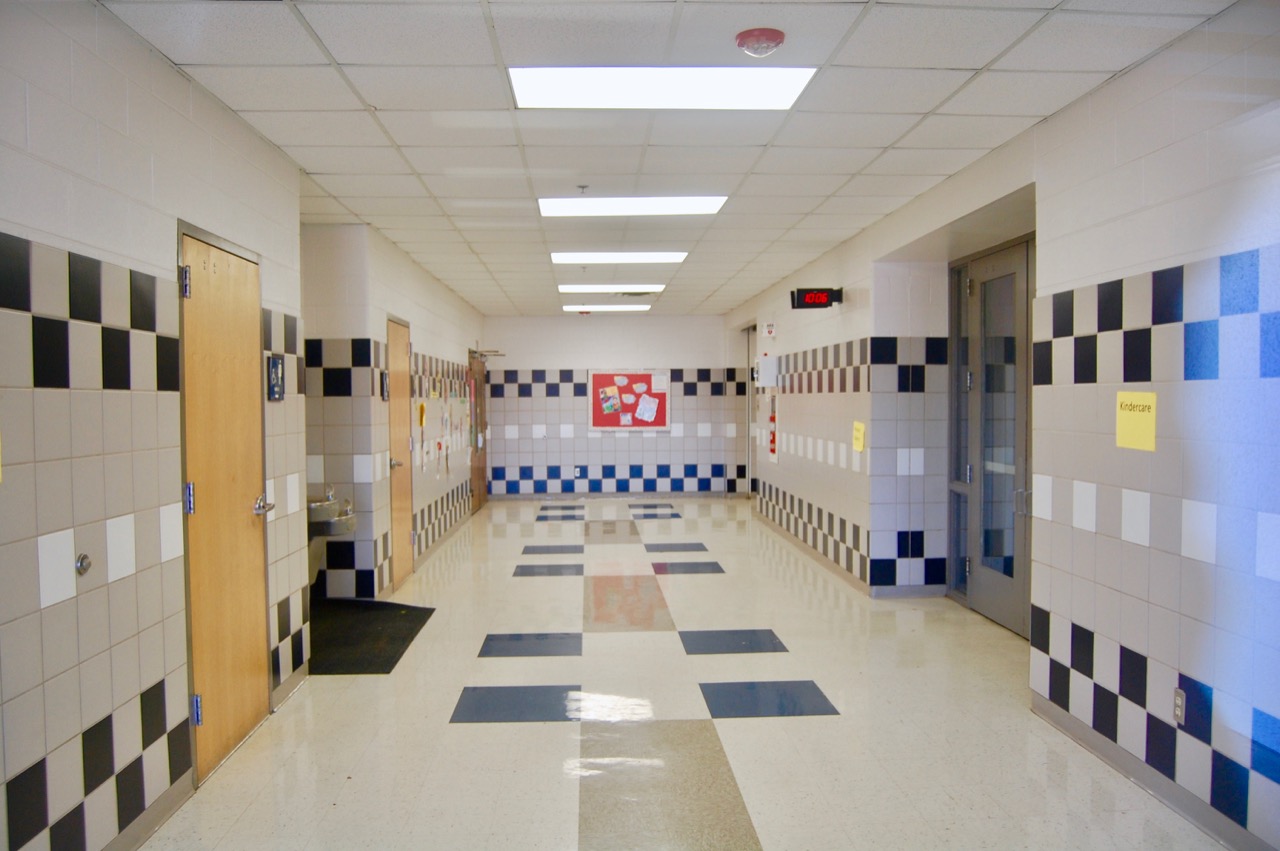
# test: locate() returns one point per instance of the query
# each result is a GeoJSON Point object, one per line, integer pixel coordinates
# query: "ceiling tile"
{"type": "Point", "coordinates": [582, 34]}
{"type": "Point", "coordinates": [1084, 41]}
{"type": "Point", "coordinates": [572, 159]}
{"type": "Point", "coordinates": [217, 33]}
{"type": "Point", "coordinates": [966, 131]}
{"type": "Point", "coordinates": [431, 87]}
{"type": "Point", "coordinates": [687, 184]}
{"type": "Point", "coordinates": [862, 204]}
{"type": "Point", "coordinates": [572, 126]}
{"type": "Point", "coordinates": [721, 128]}
{"type": "Point", "coordinates": [563, 186]}
{"type": "Point", "coordinates": [450, 129]}
{"type": "Point", "coordinates": [403, 34]}
{"type": "Point", "coordinates": [473, 161]}
{"type": "Point", "coordinates": [346, 129]}
{"type": "Point", "coordinates": [707, 32]}
{"type": "Point", "coordinates": [402, 206]}
{"type": "Point", "coordinates": [912, 37]}
{"type": "Point", "coordinates": [336, 160]}
{"type": "Point", "coordinates": [755, 204]}
{"type": "Point", "coordinates": [887, 90]}
{"type": "Point", "coordinates": [1168, 7]}
{"type": "Point", "coordinates": [924, 161]}
{"type": "Point", "coordinates": [792, 184]}
{"type": "Point", "coordinates": [322, 205]}
{"type": "Point", "coordinates": [683, 159]}
{"type": "Point", "coordinates": [391, 185]}
{"type": "Point", "coordinates": [835, 130]}
{"type": "Point", "coordinates": [1022, 92]}
{"type": "Point", "coordinates": [277, 87]}
{"type": "Point", "coordinates": [878, 184]}
{"type": "Point", "coordinates": [780, 160]}
{"type": "Point", "coordinates": [1002, 4]}
{"type": "Point", "coordinates": [448, 186]}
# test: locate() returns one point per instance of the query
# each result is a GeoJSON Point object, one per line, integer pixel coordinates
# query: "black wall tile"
{"type": "Point", "coordinates": [935, 571]}
{"type": "Point", "coordinates": [1082, 650]}
{"type": "Point", "coordinates": [27, 797]}
{"type": "Point", "coordinates": [295, 644]}
{"type": "Point", "coordinates": [1111, 306]}
{"type": "Point", "coordinates": [1106, 712]}
{"type": "Point", "coordinates": [84, 283]}
{"type": "Point", "coordinates": [167, 360]}
{"type": "Point", "coordinates": [1086, 359]}
{"type": "Point", "coordinates": [116, 371]}
{"type": "Point", "coordinates": [1229, 788]}
{"type": "Point", "coordinates": [1060, 684]}
{"type": "Point", "coordinates": [314, 352]}
{"type": "Point", "coordinates": [1199, 708]}
{"type": "Point", "coordinates": [267, 343]}
{"type": "Point", "coordinates": [340, 554]}
{"type": "Point", "coordinates": [365, 584]}
{"type": "Point", "coordinates": [1162, 746]}
{"type": "Point", "coordinates": [1133, 676]}
{"type": "Point", "coordinates": [1042, 362]}
{"type": "Point", "coordinates": [884, 349]}
{"type": "Point", "coordinates": [1064, 316]}
{"type": "Point", "coordinates": [98, 752]}
{"type": "Point", "coordinates": [50, 352]}
{"type": "Point", "coordinates": [1166, 296]}
{"type": "Point", "coordinates": [282, 621]}
{"type": "Point", "coordinates": [15, 273]}
{"type": "Point", "coordinates": [67, 833]}
{"type": "Point", "coordinates": [337, 381]}
{"type": "Point", "coordinates": [883, 571]}
{"type": "Point", "coordinates": [142, 301]}
{"type": "Point", "coordinates": [179, 751]}
{"type": "Point", "coordinates": [1137, 355]}
{"type": "Point", "coordinates": [935, 350]}
{"type": "Point", "coordinates": [130, 794]}
{"type": "Point", "coordinates": [153, 720]}
{"type": "Point", "coordinates": [290, 334]}
{"type": "Point", "coordinates": [361, 353]}
{"type": "Point", "coordinates": [1040, 629]}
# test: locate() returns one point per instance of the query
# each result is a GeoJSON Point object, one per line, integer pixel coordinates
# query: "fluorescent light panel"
{"type": "Point", "coordinates": [606, 308]}
{"type": "Point", "coordinates": [658, 88]}
{"type": "Point", "coordinates": [611, 288]}
{"type": "Point", "coordinates": [588, 258]}
{"type": "Point", "coordinates": [672, 205]}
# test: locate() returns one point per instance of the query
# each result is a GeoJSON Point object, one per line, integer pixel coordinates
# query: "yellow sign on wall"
{"type": "Point", "coordinates": [859, 436]}
{"type": "Point", "coordinates": [1136, 421]}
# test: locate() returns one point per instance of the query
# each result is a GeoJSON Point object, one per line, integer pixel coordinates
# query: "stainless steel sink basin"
{"type": "Point", "coordinates": [321, 510]}
{"type": "Point", "coordinates": [342, 524]}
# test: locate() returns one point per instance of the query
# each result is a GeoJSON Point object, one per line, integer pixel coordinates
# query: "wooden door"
{"type": "Point", "coordinates": [479, 438]}
{"type": "Point", "coordinates": [226, 540]}
{"type": "Point", "coordinates": [400, 442]}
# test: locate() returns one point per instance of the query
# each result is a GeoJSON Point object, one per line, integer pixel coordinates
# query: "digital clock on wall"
{"type": "Point", "coordinates": [810, 298]}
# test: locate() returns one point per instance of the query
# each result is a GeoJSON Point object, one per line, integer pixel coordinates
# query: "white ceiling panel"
{"type": "Point", "coordinates": [344, 129]}
{"type": "Point", "coordinates": [966, 131]}
{"type": "Point", "coordinates": [943, 161]}
{"type": "Point", "coordinates": [448, 186]}
{"type": "Point", "coordinates": [1083, 41]}
{"type": "Point", "coordinates": [779, 160]}
{"type": "Point", "coordinates": [917, 37]}
{"type": "Point", "coordinates": [572, 126]}
{"type": "Point", "coordinates": [848, 221]}
{"type": "Point", "coordinates": [879, 184]}
{"type": "Point", "coordinates": [388, 185]}
{"type": "Point", "coordinates": [1164, 7]}
{"type": "Point", "coordinates": [402, 206]}
{"type": "Point", "coordinates": [707, 32]}
{"type": "Point", "coordinates": [371, 34]}
{"type": "Point", "coordinates": [994, 4]}
{"type": "Point", "coordinates": [886, 90]}
{"type": "Point", "coordinates": [792, 184]}
{"type": "Point", "coordinates": [565, 185]}
{"type": "Point", "coordinates": [322, 205]}
{"type": "Point", "coordinates": [582, 34]}
{"type": "Point", "coordinates": [475, 161]}
{"type": "Point", "coordinates": [862, 204]}
{"type": "Point", "coordinates": [683, 159]}
{"type": "Point", "coordinates": [838, 130]}
{"type": "Point", "coordinates": [325, 219]}
{"type": "Point", "coordinates": [571, 159]}
{"type": "Point", "coordinates": [431, 87]}
{"type": "Point", "coordinates": [218, 33]}
{"type": "Point", "coordinates": [450, 129]}
{"type": "Point", "coordinates": [277, 87]}
{"type": "Point", "coordinates": [1022, 92]}
{"type": "Point", "coordinates": [687, 184]}
{"type": "Point", "coordinates": [755, 204]}
{"type": "Point", "coordinates": [350, 160]}
{"type": "Point", "coordinates": [729, 128]}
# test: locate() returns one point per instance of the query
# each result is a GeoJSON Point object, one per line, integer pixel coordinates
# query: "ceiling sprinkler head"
{"type": "Point", "coordinates": [760, 41]}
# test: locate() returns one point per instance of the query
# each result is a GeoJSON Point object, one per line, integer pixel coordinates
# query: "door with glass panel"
{"type": "Point", "coordinates": [989, 562]}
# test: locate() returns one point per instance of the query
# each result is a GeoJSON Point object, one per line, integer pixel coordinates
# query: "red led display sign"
{"type": "Point", "coordinates": [811, 298]}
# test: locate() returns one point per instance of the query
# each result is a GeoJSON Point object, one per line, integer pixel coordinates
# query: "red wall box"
{"type": "Point", "coordinates": [630, 399]}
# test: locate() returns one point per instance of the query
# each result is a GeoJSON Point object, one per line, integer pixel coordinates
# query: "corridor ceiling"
{"type": "Point", "coordinates": [402, 116]}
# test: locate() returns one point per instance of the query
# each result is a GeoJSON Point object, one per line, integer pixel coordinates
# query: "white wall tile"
{"type": "Point", "coordinates": [1196, 653]}
{"type": "Point", "coordinates": [1084, 505]}
{"type": "Point", "coordinates": [1131, 728]}
{"type": "Point", "coordinates": [269, 494]}
{"type": "Point", "coordinates": [57, 555]}
{"type": "Point", "coordinates": [1194, 765]}
{"type": "Point", "coordinates": [1268, 565]}
{"type": "Point", "coordinates": [293, 487]}
{"type": "Point", "coordinates": [1042, 496]}
{"type": "Point", "coordinates": [1162, 679]}
{"type": "Point", "coordinates": [1199, 530]}
{"type": "Point", "coordinates": [1135, 517]}
{"type": "Point", "coordinates": [171, 543]}
{"type": "Point", "coordinates": [566, 429]}
{"type": "Point", "coordinates": [121, 560]}
{"type": "Point", "coordinates": [1081, 697]}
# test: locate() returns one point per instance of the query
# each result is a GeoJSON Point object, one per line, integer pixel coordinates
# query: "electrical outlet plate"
{"type": "Point", "coordinates": [1179, 706]}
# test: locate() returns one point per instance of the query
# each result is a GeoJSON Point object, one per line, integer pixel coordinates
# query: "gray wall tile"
{"type": "Point", "coordinates": [21, 659]}
{"type": "Point", "coordinates": [23, 723]}
{"type": "Point", "coordinates": [61, 709]}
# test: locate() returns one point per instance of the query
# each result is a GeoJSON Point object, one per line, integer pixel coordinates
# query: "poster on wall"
{"type": "Point", "coordinates": [630, 400]}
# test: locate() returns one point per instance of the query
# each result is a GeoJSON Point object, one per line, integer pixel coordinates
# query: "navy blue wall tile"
{"type": "Point", "coordinates": [1040, 629]}
{"type": "Point", "coordinates": [15, 273]}
{"type": "Point", "coordinates": [1200, 350]}
{"type": "Point", "coordinates": [361, 352]}
{"type": "Point", "coordinates": [167, 360]}
{"type": "Point", "coordinates": [1199, 709]}
{"type": "Point", "coordinates": [50, 353]}
{"type": "Point", "coordinates": [883, 571]}
{"type": "Point", "coordinates": [1082, 650]}
{"type": "Point", "coordinates": [340, 554]}
{"type": "Point", "coordinates": [1166, 296]}
{"type": "Point", "coordinates": [1060, 684]}
{"type": "Point", "coordinates": [935, 571]}
{"type": "Point", "coordinates": [153, 720]}
{"type": "Point", "coordinates": [1133, 676]}
{"type": "Point", "coordinates": [1042, 360]}
{"type": "Point", "coordinates": [314, 350]}
{"type": "Point", "coordinates": [1229, 789]}
{"type": "Point", "coordinates": [1162, 747]}
{"type": "Point", "coordinates": [1064, 314]}
{"type": "Point", "coordinates": [935, 350]}
{"type": "Point", "coordinates": [884, 350]}
{"type": "Point", "coordinates": [1238, 283]}
{"type": "Point", "coordinates": [290, 334]}
{"type": "Point", "coordinates": [1106, 711]}
{"type": "Point", "coordinates": [1266, 745]}
{"type": "Point", "coordinates": [1137, 355]}
{"type": "Point", "coordinates": [67, 833]}
{"type": "Point", "coordinates": [84, 285]}
{"type": "Point", "coordinates": [337, 381]}
{"type": "Point", "coordinates": [1111, 306]}
{"type": "Point", "coordinates": [1086, 359]}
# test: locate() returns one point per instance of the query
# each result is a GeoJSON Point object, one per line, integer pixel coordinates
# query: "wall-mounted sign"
{"type": "Point", "coordinates": [630, 400]}
{"type": "Point", "coordinates": [1136, 421]}
{"type": "Point", "coordinates": [275, 378]}
{"type": "Point", "coordinates": [859, 435]}
{"type": "Point", "coordinates": [811, 298]}
{"type": "Point", "coordinates": [386, 386]}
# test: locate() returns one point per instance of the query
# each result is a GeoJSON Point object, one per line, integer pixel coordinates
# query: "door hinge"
{"type": "Point", "coordinates": [968, 474]}
{"type": "Point", "coordinates": [184, 281]}
{"type": "Point", "coordinates": [189, 498]}
{"type": "Point", "coordinates": [967, 565]}
{"type": "Point", "coordinates": [968, 285]}
{"type": "Point", "coordinates": [968, 379]}
{"type": "Point", "coordinates": [197, 711]}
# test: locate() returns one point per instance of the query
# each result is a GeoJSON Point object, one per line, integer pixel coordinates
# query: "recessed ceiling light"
{"type": "Point", "coordinates": [658, 88]}
{"type": "Point", "coordinates": [672, 205]}
{"type": "Point", "coordinates": [611, 288]}
{"type": "Point", "coordinates": [606, 308]}
{"type": "Point", "coordinates": [587, 258]}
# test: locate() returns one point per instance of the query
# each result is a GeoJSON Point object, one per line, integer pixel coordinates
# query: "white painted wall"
{"type": "Point", "coordinates": [584, 342]}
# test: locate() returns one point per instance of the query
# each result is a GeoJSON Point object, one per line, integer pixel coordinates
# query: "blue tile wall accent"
{"type": "Point", "coordinates": [1199, 709]}
{"type": "Point", "coordinates": [1166, 296]}
{"type": "Point", "coordinates": [1133, 676]}
{"type": "Point", "coordinates": [1238, 283]}
{"type": "Point", "coordinates": [1266, 745]}
{"type": "Point", "coordinates": [1269, 345]}
{"type": "Point", "coordinates": [1229, 788]}
{"type": "Point", "coordinates": [1162, 746]}
{"type": "Point", "coordinates": [1200, 350]}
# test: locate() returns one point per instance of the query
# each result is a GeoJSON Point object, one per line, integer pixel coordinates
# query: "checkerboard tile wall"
{"type": "Point", "coordinates": [894, 491]}
{"type": "Point", "coordinates": [94, 691]}
{"type": "Point", "coordinates": [541, 443]}
{"type": "Point", "coordinates": [1156, 571]}
{"type": "Point", "coordinates": [433, 521]}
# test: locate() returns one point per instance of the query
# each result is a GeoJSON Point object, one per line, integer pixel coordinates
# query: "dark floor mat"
{"type": "Point", "coordinates": [361, 636]}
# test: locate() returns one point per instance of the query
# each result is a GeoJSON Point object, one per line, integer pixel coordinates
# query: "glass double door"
{"type": "Point", "coordinates": [989, 562]}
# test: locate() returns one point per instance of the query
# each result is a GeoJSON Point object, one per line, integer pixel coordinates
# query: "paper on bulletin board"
{"type": "Point", "coordinates": [629, 399]}
{"type": "Point", "coordinates": [859, 436]}
{"type": "Point", "coordinates": [1136, 421]}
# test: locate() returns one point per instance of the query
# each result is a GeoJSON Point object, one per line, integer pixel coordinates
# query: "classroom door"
{"type": "Point", "coordinates": [400, 441]}
{"type": "Point", "coordinates": [222, 387]}
{"type": "Point", "coordinates": [479, 431]}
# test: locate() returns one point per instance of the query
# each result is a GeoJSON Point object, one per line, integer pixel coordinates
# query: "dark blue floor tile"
{"type": "Point", "coordinates": [708, 641]}
{"type": "Point", "coordinates": [548, 570]}
{"type": "Point", "coordinates": [541, 518]}
{"type": "Point", "coordinates": [573, 508]}
{"type": "Point", "coordinates": [552, 549]}
{"type": "Point", "coordinates": [675, 548]}
{"type": "Point", "coordinates": [766, 700]}
{"type": "Point", "coordinates": [654, 516]}
{"type": "Point", "coordinates": [488, 704]}
{"type": "Point", "coordinates": [663, 568]}
{"type": "Point", "coordinates": [533, 644]}
{"type": "Point", "coordinates": [650, 505]}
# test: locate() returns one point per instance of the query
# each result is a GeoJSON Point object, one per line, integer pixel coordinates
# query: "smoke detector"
{"type": "Point", "coordinates": [761, 41]}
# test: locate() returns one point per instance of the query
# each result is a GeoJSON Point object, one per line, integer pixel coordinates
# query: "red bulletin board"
{"type": "Point", "coordinates": [624, 400]}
